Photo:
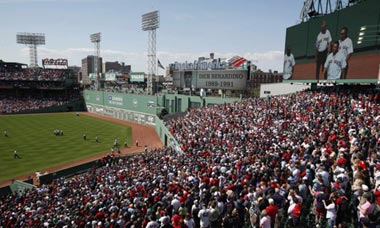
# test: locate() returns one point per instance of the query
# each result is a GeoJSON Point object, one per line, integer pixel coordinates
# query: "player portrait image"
{"type": "Point", "coordinates": [188, 76]}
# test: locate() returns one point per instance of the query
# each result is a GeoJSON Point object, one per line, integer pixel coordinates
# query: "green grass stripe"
{"type": "Point", "coordinates": [32, 136]}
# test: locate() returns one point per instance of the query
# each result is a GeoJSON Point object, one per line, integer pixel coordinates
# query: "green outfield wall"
{"type": "Point", "coordinates": [143, 109]}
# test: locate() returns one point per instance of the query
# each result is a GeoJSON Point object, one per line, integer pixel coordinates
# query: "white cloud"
{"type": "Point", "coordinates": [266, 60]}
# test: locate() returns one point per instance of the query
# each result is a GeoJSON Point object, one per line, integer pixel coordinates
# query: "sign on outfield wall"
{"type": "Point", "coordinates": [123, 114]}
{"type": "Point", "coordinates": [211, 79]}
{"type": "Point", "coordinates": [115, 100]}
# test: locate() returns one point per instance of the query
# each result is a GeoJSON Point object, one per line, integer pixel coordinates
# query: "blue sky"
{"type": "Point", "coordinates": [254, 29]}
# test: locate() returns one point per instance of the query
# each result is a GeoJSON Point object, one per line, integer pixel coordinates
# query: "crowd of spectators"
{"type": "Point", "coordinates": [4, 84]}
{"type": "Point", "coordinates": [34, 74]}
{"type": "Point", "coordinates": [123, 88]}
{"type": "Point", "coordinates": [255, 163]}
{"type": "Point", "coordinates": [14, 104]}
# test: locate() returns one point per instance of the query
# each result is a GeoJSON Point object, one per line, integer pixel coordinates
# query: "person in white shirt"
{"type": "Point", "coordinates": [152, 223]}
{"type": "Point", "coordinates": [204, 216]}
{"type": "Point", "coordinates": [346, 48]}
{"type": "Point", "coordinates": [265, 219]}
{"type": "Point", "coordinates": [335, 63]}
{"type": "Point", "coordinates": [322, 47]}
{"type": "Point", "coordinates": [189, 221]}
{"type": "Point", "coordinates": [15, 154]}
{"type": "Point", "coordinates": [176, 204]}
{"type": "Point", "coordinates": [288, 64]}
{"type": "Point", "coordinates": [331, 211]}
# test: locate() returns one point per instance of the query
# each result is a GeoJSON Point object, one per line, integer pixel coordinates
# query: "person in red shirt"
{"type": "Point", "coordinates": [272, 211]}
{"type": "Point", "coordinates": [176, 220]}
{"type": "Point", "coordinates": [377, 195]}
{"type": "Point", "coordinates": [296, 213]}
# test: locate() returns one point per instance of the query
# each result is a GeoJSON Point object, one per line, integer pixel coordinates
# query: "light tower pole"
{"type": "Point", "coordinates": [31, 39]}
{"type": "Point", "coordinates": [96, 38]}
{"type": "Point", "coordinates": [150, 22]}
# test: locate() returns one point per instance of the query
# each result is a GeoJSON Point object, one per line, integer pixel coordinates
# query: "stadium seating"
{"type": "Point", "coordinates": [238, 159]}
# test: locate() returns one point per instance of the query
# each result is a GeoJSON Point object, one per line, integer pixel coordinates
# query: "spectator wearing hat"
{"type": "Point", "coordinates": [262, 203]}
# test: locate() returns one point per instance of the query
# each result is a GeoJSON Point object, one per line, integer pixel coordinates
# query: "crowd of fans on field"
{"type": "Point", "coordinates": [33, 74]}
{"type": "Point", "coordinates": [255, 163]}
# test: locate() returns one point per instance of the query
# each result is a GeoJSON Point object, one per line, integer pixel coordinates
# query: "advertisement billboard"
{"type": "Point", "coordinates": [137, 77]}
{"type": "Point", "coordinates": [110, 76]}
{"type": "Point", "coordinates": [92, 76]}
{"type": "Point", "coordinates": [54, 63]}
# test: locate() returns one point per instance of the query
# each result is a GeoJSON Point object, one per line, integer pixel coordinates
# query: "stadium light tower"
{"type": "Point", "coordinates": [150, 22]}
{"type": "Point", "coordinates": [96, 38]}
{"type": "Point", "coordinates": [314, 8]}
{"type": "Point", "coordinates": [31, 39]}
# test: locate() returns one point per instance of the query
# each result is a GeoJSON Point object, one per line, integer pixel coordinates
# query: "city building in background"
{"type": "Point", "coordinates": [88, 68]}
{"type": "Point", "coordinates": [259, 77]}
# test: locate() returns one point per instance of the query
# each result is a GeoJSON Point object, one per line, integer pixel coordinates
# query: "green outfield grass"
{"type": "Point", "coordinates": [32, 136]}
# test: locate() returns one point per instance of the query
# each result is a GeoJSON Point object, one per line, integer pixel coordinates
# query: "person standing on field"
{"type": "Point", "coordinates": [15, 155]}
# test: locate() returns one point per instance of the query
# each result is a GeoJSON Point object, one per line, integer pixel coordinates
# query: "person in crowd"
{"type": "Point", "coordinates": [331, 211]}
{"type": "Point", "coordinates": [265, 221]}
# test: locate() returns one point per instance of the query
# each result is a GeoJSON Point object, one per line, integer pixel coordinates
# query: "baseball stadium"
{"type": "Point", "coordinates": [214, 143]}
